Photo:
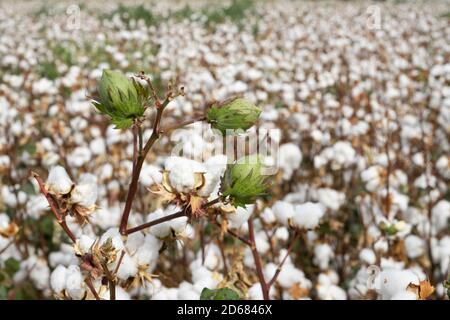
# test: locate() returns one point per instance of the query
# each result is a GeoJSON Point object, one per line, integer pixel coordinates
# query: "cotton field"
{"type": "Point", "coordinates": [186, 150]}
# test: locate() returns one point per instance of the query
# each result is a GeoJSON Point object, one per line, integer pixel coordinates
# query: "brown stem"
{"type": "Point", "coordinates": [257, 259]}
{"type": "Point", "coordinates": [234, 234]}
{"type": "Point", "coordinates": [54, 207]}
{"type": "Point", "coordinates": [280, 266]}
{"type": "Point", "coordinates": [111, 282]}
{"type": "Point", "coordinates": [88, 282]}
{"type": "Point", "coordinates": [137, 168]}
{"type": "Point", "coordinates": [172, 216]}
{"type": "Point", "coordinates": [182, 124]}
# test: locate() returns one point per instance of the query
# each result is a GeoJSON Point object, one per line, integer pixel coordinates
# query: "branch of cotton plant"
{"type": "Point", "coordinates": [234, 234]}
{"type": "Point", "coordinates": [280, 266]}
{"type": "Point", "coordinates": [88, 282]}
{"type": "Point", "coordinates": [182, 124]}
{"type": "Point", "coordinates": [111, 281]}
{"type": "Point", "coordinates": [172, 216]}
{"type": "Point", "coordinates": [257, 260]}
{"type": "Point", "coordinates": [140, 161]}
{"type": "Point", "coordinates": [54, 207]}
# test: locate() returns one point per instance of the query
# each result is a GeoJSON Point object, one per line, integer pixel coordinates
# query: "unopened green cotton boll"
{"type": "Point", "coordinates": [244, 180]}
{"type": "Point", "coordinates": [121, 98]}
{"type": "Point", "coordinates": [237, 114]}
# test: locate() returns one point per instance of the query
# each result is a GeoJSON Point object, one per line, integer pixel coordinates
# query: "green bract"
{"type": "Point", "coordinates": [233, 115]}
{"type": "Point", "coordinates": [243, 181]}
{"type": "Point", "coordinates": [121, 98]}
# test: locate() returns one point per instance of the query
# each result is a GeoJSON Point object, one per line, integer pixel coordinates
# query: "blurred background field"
{"type": "Point", "coordinates": [361, 88]}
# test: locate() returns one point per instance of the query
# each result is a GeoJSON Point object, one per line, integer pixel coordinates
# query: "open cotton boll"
{"type": "Point", "coordinates": [58, 181]}
{"type": "Point", "coordinates": [150, 175]}
{"type": "Point", "coordinates": [134, 242]}
{"type": "Point", "coordinates": [36, 206]}
{"type": "Point", "coordinates": [322, 255]}
{"type": "Point", "coordinates": [128, 267]}
{"type": "Point", "coordinates": [255, 292]}
{"type": "Point", "coordinates": [390, 282]}
{"type": "Point", "coordinates": [186, 291]}
{"type": "Point", "coordinates": [215, 166]}
{"type": "Point", "coordinates": [121, 294]}
{"type": "Point", "coordinates": [85, 191]}
{"type": "Point", "coordinates": [330, 198]}
{"type": "Point", "coordinates": [331, 292]}
{"type": "Point", "coordinates": [114, 235]}
{"type": "Point", "coordinates": [106, 217]}
{"type": "Point", "coordinates": [440, 215]}
{"type": "Point", "coordinates": [283, 211]}
{"type": "Point", "coordinates": [74, 283]}
{"type": "Point", "coordinates": [58, 279]}
{"type": "Point", "coordinates": [85, 243]}
{"type": "Point", "coordinates": [175, 226]}
{"type": "Point", "coordinates": [307, 215]}
{"type": "Point", "coordinates": [290, 158]}
{"type": "Point", "coordinates": [148, 253]}
{"type": "Point", "coordinates": [415, 246]}
{"type": "Point", "coordinates": [367, 256]}
{"type": "Point", "coordinates": [182, 173]}
{"type": "Point", "coordinates": [404, 295]}
{"type": "Point", "coordinates": [240, 216]}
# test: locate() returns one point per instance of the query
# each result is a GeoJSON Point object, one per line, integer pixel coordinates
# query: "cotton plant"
{"type": "Point", "coordinates": [126, 257]}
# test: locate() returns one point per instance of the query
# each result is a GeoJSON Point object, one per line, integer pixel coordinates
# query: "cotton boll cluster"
{"type": "Point", "coordinates": [393, 284]}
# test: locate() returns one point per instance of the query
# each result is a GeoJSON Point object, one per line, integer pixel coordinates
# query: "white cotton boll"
{"type": "Point", "coordinates": [267, 216]}
{"type": "Point", "coordinates": [367, 256]}
{"type": "Point", "coordinates": [166, 294]}
{"type": "Point", "coordinates": [215, 166]}
{"type": "Point", "coordinates": [134, 242]}
{"type": "Point", "coordinates": [85, 192]}
{"type": "Point", "coordinates": [150, 175]}
{"type": "Point", "coordinates": [128, 267]}
{"type": "Point", "coordinates": [390, 282]}
{"type": "Point", "coordinates": [404, 295]}
{"type": "Point", "coordinates": [255, 292]}
{"type": "Point", "coordinates": [330, 198]}
{"type": "Point", "coordinates": [79, 156]}
{"type": "Point", "coordinates": [36, 206]}
{"type": "Point", "coordinates": [58, 181]}
{"type": "Point", "coordinates": [182, 173]}
{"type": "Point", "coordinates": [98, 146]}
{"type": "Point", "coordinates": [440, 215]}
{"type": "Point", "coordinates": [114, 235]}
{"type": "Point", "coordinates": [322, 255]}
{"type": "Point", "coordinates": [148, 253]}
{"type": "Point", "coordinates": [85, 244]}
{"type": "Point", "coordinates": [331, 292]}
{"type": "Point", "coordinates": [240, 216]}
{"type": "Point", "coordinates": [443, 166]}
{"type": "Point", "coordinates": [106, 217]}
{"type": "Point", "coordinates": [74, 283]}
{"type": "Point", "coordinates": [283, 211]}
{"type": "Point", "coordinates": [165, 229]}
{"type": "Point", "coordinates": [381, 245]}
{"type": "Point", "coordinates": [58, 279]}
{"type": "Point", "coordinates": [186, 291]}
{"type": "Point", "coordinates": [282, 234]}
{"type": "Point", "coordinates": [290, 158]}
{"type": "Point", "coordinates": [307, 215]}
{"type": "Point", "coordinates": [415, 246]}
{"type": "Point", "coordinates": [371, 177]}
{"type": "Point", "coordinates": [261, 242]}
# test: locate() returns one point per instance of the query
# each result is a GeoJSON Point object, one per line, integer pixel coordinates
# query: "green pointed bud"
{"type": "Point", "coordinates": [244, 180]}
{"type": "Point", "coordinates": [119, 99]}
{"type": "Point", "coordinates": [237, 114]}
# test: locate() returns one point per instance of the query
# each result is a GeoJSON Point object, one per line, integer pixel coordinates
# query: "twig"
{"type": "Point", "coordinates": [54, 207]}
{"type": "Point", "coordinates": [137, 168]}
{"type": "Point", "coordinates": [88, 282]}
{"type": "Point", "coordinates": [257, 260]}
{"type": "Point", "coordinates": [172, 216]}
{"type": "Point", "coordinates": [280, 266]}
